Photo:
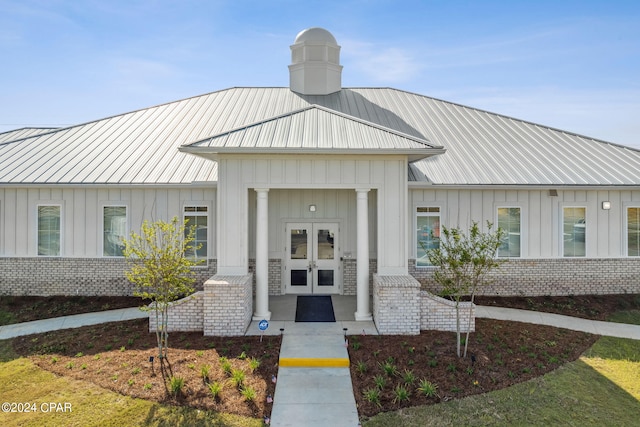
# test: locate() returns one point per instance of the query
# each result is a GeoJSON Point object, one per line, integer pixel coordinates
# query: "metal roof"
{"type": "Point", "coordinates": [314, 129]}
{"type": "Point", "coordinates": [15, 134]}
{"type": "Point", "coordinates": [482, 148]}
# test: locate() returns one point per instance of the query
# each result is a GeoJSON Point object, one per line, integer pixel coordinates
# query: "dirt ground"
{"type": "Point", "coordinates": [116, 356]}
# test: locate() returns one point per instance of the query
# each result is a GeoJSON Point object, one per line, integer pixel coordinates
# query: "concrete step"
{"type": "Point", "coordinates": [321, 346]}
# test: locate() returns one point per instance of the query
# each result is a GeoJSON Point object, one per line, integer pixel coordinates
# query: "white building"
{"type": "Point", "coordinates": [316, 188]}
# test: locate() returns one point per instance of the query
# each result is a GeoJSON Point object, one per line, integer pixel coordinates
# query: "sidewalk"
{"type": "Point", "coordinates": [73, 321]}
{"type": "Point", "coordinates": [620, 330]}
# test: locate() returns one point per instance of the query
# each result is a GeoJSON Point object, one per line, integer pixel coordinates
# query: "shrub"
{"type": "Point", "coordinates": [249, 394]}
{"type": "Point", "coordinates": [379, 381]}
{"type": "Point", "coordinates": [253, 364]}
{"type": "Point", "coordinates": [389, 368]}
{"type": "Point", "coordinates": [175, 385]}
{"type": "Point", "coordinates": [215, 388]}
{"type": "Point", "coordinates": [401, 394]}
{"type": "Point", "coordinates": [204, 372]}
{"type": "Point", "coordinates": [428, 388]}
{"type": "Point", "coordinates": [361, 367]}
{"type": "Point", "coordinates": [408, 377]}
{"type": "Point", "coordinates": [372, 395]}
{"type": "Point", "coordinates": [237, 377]}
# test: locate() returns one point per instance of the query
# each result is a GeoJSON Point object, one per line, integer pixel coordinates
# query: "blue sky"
{"type": "Point", "coordinates": [572, 65]}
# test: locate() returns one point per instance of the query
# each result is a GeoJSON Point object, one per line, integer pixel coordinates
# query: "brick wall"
{"type": "Point", "coordinates": [439, 314]}
{"type": "Point", "coordinates": [184, 315]}
{"type": "Point", "coordinates": [43, 276]}
{"type": "Point", "coordinates": [275, 275]}
{"type": "Point", "coordinates": [228, 303]}
{"type": "Point", "coordinates": [556, 276]}
{"type": "Point", "coordinates": [396, 305]}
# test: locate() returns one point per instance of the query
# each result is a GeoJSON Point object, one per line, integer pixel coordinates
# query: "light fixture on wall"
{"type": "Point", "coordinates": [312, 208]}
{"type": "Point", "coordinates": [606, 205]}
{"type": "Point", "coordinates": [553, 193]}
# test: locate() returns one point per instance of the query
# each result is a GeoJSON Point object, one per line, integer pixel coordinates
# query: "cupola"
{"type": "Point", "coordinates": [315, 63]}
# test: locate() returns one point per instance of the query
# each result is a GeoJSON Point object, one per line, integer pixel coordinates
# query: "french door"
{"type": "Point", "coordinates": [312, 258]}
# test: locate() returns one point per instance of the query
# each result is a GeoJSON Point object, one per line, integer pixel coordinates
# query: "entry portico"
{"type": "Point", "coordinates": [251, 178]}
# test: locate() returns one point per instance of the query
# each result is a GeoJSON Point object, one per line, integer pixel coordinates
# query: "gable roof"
{"type": "Point", "coordinates": [482, 148]}
{"type": "Point", "coordinates": [318, 130]}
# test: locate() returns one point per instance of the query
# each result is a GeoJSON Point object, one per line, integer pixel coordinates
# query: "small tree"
{"type": "Point", "coordinates": [159, 269]}
{"type": "Point", "coordinates": [464, 261]}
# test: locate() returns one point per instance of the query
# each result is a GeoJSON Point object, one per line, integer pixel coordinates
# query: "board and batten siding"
{"type": "Point", "coordinates": [241, 174]}
{"type": "Point", "coordinates": [81, 214]}
{"type": "Point", "coordinates": [541, 215]}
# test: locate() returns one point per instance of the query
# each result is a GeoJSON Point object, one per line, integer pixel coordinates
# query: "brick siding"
{"type": "Point", "coordinates": [45, 276]}
{"type": "Point", "coordinates": [555, 276]}
{"type": "Point", "coordinates": [184, 315]}
{"type": "Point", "coordinates": [228, 303]}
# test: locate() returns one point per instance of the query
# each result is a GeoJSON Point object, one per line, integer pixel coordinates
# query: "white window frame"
{"type": "Point", "coordinates": [205, 214]}
{"type": "Point", "coordinates": [61, 231]}
{"type": "Point", "coordinates": [625, 229]}
{"type": "Point", "coordinates": [417, 214]}
{"type": "Point", "coordinates": [101, 222]}
{"type": "Point", "coordinates": [586, 230]}
{"type": "Point", "coordinates": [522, 227]}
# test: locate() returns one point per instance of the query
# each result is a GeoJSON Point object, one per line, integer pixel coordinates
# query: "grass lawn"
{"type": "Point", "coordinates": [602, 388]}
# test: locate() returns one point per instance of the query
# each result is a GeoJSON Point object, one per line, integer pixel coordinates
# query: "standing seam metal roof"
{"type": "Point", "coordinates": [482, 148]}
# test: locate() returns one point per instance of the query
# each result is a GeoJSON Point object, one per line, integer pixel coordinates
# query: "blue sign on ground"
{"type": "Point", "coordinates": [263, 325]}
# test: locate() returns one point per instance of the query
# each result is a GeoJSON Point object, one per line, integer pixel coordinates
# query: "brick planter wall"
{"type": "Point", "coordinates": [228, 303]}
{"type": "Point", "coordinates": [439, 314]}
{"type": "Point", "coordinates": [185, 315]}
{"type": "Point", "coordinates": [555, 276]}
{"type": "Point", "coordinates": [45, 276]}
{"type": "Point", "coordinates": [396, 305]}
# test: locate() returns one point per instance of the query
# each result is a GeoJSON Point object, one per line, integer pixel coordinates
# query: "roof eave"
{"type": "Point", "coordinates": [213, 153]}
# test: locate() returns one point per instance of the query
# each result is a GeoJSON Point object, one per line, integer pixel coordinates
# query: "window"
{"type": "Point", "coordinates": [197, 217]}
{"type": "Point", "coordinates": [49, 230]}
{"type": "Point", "coordinates": [633, 231]}
{"type": "Point", "coordinates": [574, 227]}
{"type": "Point", "coordinates": [427, 233]}
{"type": "Point", "coordinates": [114, 227]}
{"type": "Point", "coordinates": [509, 221]}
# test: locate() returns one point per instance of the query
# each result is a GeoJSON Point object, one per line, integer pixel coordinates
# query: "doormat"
{"type": "Point", "coordinates": [312, 308]}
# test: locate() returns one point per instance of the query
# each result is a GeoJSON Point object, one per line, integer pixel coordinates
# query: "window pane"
{"type": "Point", "coordinates": [428, 237]}
{"type": "Point", "coordinates": [633, 231]}
{"type": "Point", "coordinates": [49, 230]}
{"type": "Point", "coordinates": [325, 244]}
{"type": "Point", "coordinates": [298, 244]}
{"type": "Point", "coordinates": [114, 229]}
{"type": "Point", "coordinates": [509, 221]}
{"type": "Point", "coordinates": [200, 223]}
{"type": "Point", "coordinates": [574, 231]}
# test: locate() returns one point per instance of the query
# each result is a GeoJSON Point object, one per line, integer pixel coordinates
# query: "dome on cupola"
{"type": "Point", "coordinates": [315, 63]}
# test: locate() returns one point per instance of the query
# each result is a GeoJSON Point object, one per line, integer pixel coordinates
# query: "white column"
{"type": "Point", "coordinates": [362, 276]}
{"type": "Point", "coordinates": [262, 256]}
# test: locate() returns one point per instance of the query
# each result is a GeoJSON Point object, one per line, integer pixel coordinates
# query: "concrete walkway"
{"type": "Point", "coordinates": [67, 322]}
{"type": "Point", "coordinates": [620, 330]}
{"type": "Point", "coordinates": [313, 387]}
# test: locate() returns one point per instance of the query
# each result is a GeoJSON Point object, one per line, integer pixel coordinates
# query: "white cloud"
{"type": "Point", "coordinates": [379, 64]}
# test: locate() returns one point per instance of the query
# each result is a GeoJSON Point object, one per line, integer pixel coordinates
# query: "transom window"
{"type": "Point", "coordinates": [49, 230]}
{"type": "Point", "coordinates": [574, 231]}
{"type": "Point", "coordinates": [197, 217]}
{"type": "Point", "coordinates": [114, 226]}
{"type": "Point", "coordinates": [509, 221]}
{"type": "Point", "coordinates": [427, 233]}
